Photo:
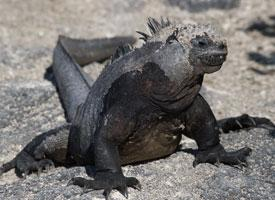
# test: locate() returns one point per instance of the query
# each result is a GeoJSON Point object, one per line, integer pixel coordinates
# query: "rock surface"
{"type": "Point", "coordinates": [29, 104]}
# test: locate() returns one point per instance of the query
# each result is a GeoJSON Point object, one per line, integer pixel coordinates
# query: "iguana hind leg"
{"type": "Point", "coordinates": [26, 164]}
{"type": "Point", "coordinates": [201, 125]}
{"type": "Point", "coordinates": [42, 153]}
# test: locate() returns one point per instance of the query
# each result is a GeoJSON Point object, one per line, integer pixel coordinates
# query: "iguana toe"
{"type": "Point", "coordinates": [107, 181]}
{"type": "Point", "coordinates": [133, 183]}
{"type": "Point", "coordinates": [45, 164]}
{"type": "Point", "coordinates": [123, 190]}
{"type": "Point", "coordinates": [217, 154]}
{"type": "Point", "coordinates": [236, 157]}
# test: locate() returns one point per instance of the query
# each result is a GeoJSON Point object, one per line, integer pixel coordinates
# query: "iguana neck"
{"type": "Point", "coordinates": [180, 96]}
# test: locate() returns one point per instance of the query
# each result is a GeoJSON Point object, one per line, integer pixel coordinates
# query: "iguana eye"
{"type": "Point", "coordinates": [200, 42]}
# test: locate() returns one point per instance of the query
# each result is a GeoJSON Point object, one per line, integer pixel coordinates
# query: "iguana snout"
{"type": "Point", "coordinates": [207, 53]}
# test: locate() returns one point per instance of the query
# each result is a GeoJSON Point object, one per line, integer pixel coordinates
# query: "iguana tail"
{"type": "Point", "coordinates": [87, 51]}
{"type": "Point", "coordinates": [73, 84]}
{"type": "Point", "coordinates": [8, 166]}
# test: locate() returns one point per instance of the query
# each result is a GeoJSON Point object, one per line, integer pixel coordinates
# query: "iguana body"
{"type": "Point", "coordinates": [137, 109]}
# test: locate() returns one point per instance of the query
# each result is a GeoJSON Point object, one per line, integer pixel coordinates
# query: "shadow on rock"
{"type": "Point", "coordinates": [272, 133]}
{"type": "Point", "coordinates": [262, 59]}
{"type": "Point", "coordinates": [268, 61]}
{"type": "Point", "coordinates": [204, 5]}
{"type": "Point", "coordinates": [265, 28]}
{"type": "Point", "coordinates": [48, 75]}
{"type": "Point", "coordinates": [190, 151]}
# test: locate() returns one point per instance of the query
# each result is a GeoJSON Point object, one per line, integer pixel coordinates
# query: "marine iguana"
{"type": "Point", "coordinates": [137, 109]}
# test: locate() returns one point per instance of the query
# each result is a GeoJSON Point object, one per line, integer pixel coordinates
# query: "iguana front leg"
{"type": "Point", "coordinates": [116, 125]}
{"type": "Point", "coordinates": [201, 125]}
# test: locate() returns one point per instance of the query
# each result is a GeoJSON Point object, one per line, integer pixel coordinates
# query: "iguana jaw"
{"type": "Point", "coordinates": [214, 59]}
{"type": "Point", "coordinates": [212, 62]}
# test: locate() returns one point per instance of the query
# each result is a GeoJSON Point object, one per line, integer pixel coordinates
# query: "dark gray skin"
{"type": "Point", "coordinates": [137, 109]}
{"type": "Point", "coordinates": [87, 51]}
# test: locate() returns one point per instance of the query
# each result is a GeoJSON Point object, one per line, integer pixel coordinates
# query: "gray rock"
{"type": "Point", "coordinates": [29, 104]}
{"type": "Point", "coordinates": [204, 5]}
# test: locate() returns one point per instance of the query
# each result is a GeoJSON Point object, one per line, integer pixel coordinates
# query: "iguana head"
{"type": "Point", "coordinates": [202, 46]}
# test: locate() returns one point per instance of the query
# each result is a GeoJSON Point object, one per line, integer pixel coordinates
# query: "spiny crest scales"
{"type": "Point", "coordinates": [121, 51]}
{"type": "Point", "coordinates": [160, 31]}
{"type": "Point", "coordinates": [154, 27]}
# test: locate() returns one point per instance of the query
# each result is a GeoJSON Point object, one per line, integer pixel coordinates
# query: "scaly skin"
{"type": "Point", "coordinates": [137, 109]}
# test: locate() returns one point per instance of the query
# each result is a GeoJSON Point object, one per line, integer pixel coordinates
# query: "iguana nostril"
{"type": "Point", "coordinates": [222, 46]}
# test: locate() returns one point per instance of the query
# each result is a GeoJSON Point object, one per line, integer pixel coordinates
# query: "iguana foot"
{"type": "Point", "coordinates": [45, 165]}
{"type": "Point", "coordinates": [217, 155]}
{"type": "Point", "coordinates": [107, 181]}
{"type": "Point", "coordinates": [23, 169]}
{"type": "Point", "coordinates": [246, 121]}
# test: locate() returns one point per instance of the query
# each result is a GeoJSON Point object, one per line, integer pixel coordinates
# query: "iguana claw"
{"type": "Point", "coordinates": [217, 154]}
{"type": "Point", "coordinates": [107, 181]}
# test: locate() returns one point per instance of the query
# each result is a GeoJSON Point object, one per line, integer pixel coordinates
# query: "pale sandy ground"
{"type": "Point", "coordinates": [29, 104]}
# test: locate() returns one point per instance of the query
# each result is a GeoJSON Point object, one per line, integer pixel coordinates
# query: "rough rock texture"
{"type": "Point", "coordinates": [203, 5]}
{"type": "Point", "coordinates": [29, 104]}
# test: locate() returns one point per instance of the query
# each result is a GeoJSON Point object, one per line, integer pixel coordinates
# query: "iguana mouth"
{"type": "Point", "coordinates": [214, 59]}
